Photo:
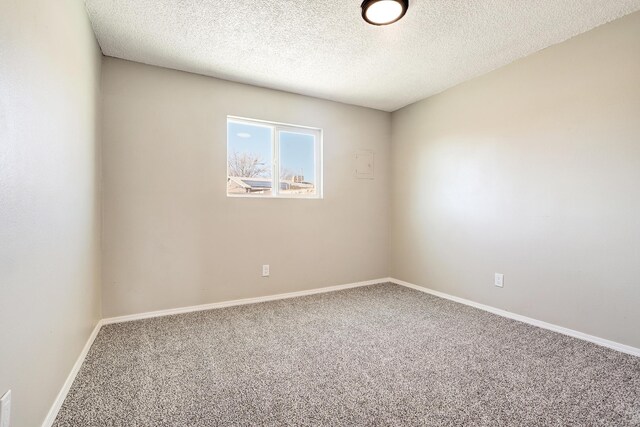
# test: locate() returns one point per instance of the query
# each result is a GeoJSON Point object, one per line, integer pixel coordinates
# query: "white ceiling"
{"type": "Point", "coordinates": [323, 48]}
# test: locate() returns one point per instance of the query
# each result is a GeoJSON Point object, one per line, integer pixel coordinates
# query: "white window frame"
{"type": "Point", "coordinates": [276, 129]}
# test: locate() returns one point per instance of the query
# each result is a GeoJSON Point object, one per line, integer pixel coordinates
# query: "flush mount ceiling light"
{"type": "Point", "coordinates": [384, 12]}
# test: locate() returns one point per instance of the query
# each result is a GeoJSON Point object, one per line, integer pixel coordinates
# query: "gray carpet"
{"type": "Point", "coordinates": [377, 355]}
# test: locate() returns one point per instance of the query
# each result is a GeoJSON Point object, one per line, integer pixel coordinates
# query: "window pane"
{"type": "Point", "coordinates": [249, 159]}
{"type": "Point", "coordinates": [297, 163]}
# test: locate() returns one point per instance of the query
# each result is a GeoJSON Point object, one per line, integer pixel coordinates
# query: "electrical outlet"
{"type": "Point", "coordinates": [265, 273]}
{"type": "Point", "coordinates": [5, 409]}
{"type": "Point", "coordinates": [499, 281]}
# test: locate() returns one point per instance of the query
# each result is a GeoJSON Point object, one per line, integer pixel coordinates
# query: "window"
{"type": "Point", "coordinates": [273, 160]}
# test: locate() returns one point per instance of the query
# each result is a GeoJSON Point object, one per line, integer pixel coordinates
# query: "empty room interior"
{"type": "Point", "coordinates": [319, 213]}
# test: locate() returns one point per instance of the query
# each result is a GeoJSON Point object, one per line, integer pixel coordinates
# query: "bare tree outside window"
{"type": "Point", "coordinates": [248, 165]}
{"type": "Point", "coordinates": [288, 174]}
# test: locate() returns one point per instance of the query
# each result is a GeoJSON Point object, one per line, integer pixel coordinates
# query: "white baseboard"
{"type": "Point", "coordinates": [57, 404]}
{"type": "Point", "coordinates": [243, 301]}
{"type": "Point", "coordinates": [539, 323]}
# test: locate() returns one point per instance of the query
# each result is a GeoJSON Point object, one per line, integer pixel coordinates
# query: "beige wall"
{"type": "Point", "coordinates": [532, 171]}
{"type": "Point", "coordinates": [49, 200]}
{"type": "Point", "coordinates": [172, 238]}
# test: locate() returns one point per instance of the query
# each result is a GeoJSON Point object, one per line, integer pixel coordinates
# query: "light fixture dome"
{"type": "Point", "coordinates": [384, 12]}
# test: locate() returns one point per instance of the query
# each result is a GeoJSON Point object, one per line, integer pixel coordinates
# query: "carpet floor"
{"type": "Point", "coordinates": [375, 355]}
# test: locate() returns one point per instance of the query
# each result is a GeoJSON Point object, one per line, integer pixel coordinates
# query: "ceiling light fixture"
{"type": "Point", "coordinates": [384, 12]}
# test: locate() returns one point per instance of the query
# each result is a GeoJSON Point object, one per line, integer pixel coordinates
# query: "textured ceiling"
{"type": "Point", "coordinates": [323, 48]}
